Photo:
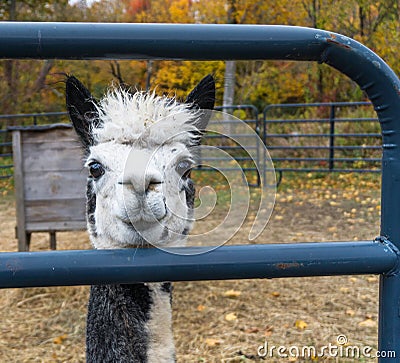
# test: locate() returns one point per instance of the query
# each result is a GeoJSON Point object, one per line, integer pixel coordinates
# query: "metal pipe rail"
{"type": "Point", "coordinates": [33, 115]}
{"type": "Point", "coordinates": [88, 267]}
{"type": "Point", "coordinates": [332, 141]}
{"type": "Point", "coordinates": [243, 42]}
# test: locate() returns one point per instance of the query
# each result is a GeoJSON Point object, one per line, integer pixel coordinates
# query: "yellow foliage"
{"type": "Point", "coordinates": [183, 76]}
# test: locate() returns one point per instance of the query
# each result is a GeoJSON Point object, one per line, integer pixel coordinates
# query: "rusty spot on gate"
{"type": "Point", "coordinates": [338, 43]}
{"type": "Point", "coordinates": [285, 266]}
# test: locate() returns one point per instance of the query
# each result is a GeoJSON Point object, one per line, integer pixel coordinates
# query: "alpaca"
{"type": "Point", "coordinates": [139, 150]}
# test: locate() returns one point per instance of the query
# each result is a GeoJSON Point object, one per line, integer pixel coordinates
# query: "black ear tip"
{"type": "Point", "coordinates": [71, 82]}
{"type": "Point", "coordinates": [209, 78]}
{"type": "Point", "coordinates": [81, 108]}
{"type": "Point", "coordinates": [203, 95]}
{"type": "Point", "coordinates": [75, 91]}
{"type": "Point", "coordinates": [70, 79]}
{"type": "Point", "coordinates": [208, 82]}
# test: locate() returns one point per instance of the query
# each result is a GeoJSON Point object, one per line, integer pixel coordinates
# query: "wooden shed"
{"type": "Point", "coordinates": [50, 181]}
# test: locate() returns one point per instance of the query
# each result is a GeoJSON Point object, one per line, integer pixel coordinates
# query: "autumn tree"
{"type": "Point", "coordinates": [27, 86]}
{"type": "Point", "coordinates": [24, 81]}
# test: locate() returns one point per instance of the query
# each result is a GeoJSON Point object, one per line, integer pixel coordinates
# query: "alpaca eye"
{"type": "Point", "coordinates": [96, 170]}
{"type": "Point", "coordinates": [183, 168]}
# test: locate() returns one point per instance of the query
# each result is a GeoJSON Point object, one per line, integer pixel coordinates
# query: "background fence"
{"type": "Point", "coordinates": [301, 137]}
{"type": "Point", "coordinates": [323, 137]}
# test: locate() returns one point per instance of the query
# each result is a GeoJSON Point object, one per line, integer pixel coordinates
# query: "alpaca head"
{"type": "Point", "coordinates": [140, 149]}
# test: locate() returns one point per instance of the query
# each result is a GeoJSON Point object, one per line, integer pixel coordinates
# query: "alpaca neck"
{"type": "Point", "coordinates": [130, 323]}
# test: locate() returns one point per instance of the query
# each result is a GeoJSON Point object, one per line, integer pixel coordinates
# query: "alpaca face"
{"type": "Point", "coordinates": [140, 149]}
{"type": "Point", "coordinates": [141, 194]}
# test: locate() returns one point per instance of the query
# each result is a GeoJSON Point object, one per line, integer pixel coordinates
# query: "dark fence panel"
{"type": "Point", "coordinates": [322, 149]}
{"type": "Point", "coordinates": [332, 138]}
{"type": "Point", "coordinates": [249, 115]}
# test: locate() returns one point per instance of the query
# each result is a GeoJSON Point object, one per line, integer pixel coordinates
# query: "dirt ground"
{"type": "Point", "coordinates": [225, 321]}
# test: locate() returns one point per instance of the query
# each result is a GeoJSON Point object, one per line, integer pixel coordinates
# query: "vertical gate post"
{"type": "Point", "coordinates": [389, 286]}
{"type": "Point", "coordinates": [264, 140]}
{"type": "Point", "coordinates": [389, 311]}
{"type": "Point", "coordinates": [332, 137]}
{"type": "Point", "coordinates": [259, 144]}
{"type": "Point", "coordinates": [382, 86]}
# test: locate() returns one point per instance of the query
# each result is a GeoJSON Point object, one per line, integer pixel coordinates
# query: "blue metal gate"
{"type": "Point", "coordinates": [211, 42]}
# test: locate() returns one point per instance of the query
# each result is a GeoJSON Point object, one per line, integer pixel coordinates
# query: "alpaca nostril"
{"type": "Point", "coordinates": [152, 180]}
{"type": "Point", "coordinates": [142, 184]}
{"type": "Point", "coordinates": [152, 185]}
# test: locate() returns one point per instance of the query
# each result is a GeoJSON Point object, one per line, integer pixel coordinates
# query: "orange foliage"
{"type": "Point", "coordinates": [135, 6]}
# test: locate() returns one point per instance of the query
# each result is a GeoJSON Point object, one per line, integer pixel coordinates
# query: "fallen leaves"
{"type": "Point", "coordinates": [268, 331]}
{"type": "Point", "coordinates": [252, 330]}
{"type": "Point", "coordinates": [351, 201]}
{"type": "Point", "coordinates": [212, 342]}
{"type": "Point", "coordinates": [350, 312]}
{"type": "Point", "coordinates": [332, 229]}
{"type": "Point", "coordinates": [60, 339]}
{"type": "Point", "coordinates": [232, 294]}
{"type": "Point", "coordinates": [300, 324]}
{"type": "Point", "coordinates": [368, 323]}
{"type": "Point", "coordinates": [231, 317]}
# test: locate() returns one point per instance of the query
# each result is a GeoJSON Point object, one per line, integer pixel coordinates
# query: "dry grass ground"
{"type": "Point", "coordinates": [224, 321]}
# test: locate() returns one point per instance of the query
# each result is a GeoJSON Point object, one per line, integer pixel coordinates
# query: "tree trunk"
{"type": "Point", "coordinates": [10, 71]}
{"type": "Point", "coordinates": [230, 73]}
{"type": "Point", "coordinates": [149, 74]}
{"type": "Point", "coordinates": [230, 66]}
{"type": "Point", "coordinates": [229, 83]}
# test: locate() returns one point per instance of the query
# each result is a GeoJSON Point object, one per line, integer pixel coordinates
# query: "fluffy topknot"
{"type": "Point", "coordinates": [126, 117]}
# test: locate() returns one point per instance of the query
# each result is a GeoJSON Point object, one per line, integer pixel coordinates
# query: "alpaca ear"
{"type": "Point", "coordinates": [202, 97]}
{"type": "Point", "coordinates": [82, 110]}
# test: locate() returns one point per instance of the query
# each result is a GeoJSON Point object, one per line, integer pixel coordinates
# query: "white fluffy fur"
{"type": "Point", "coordinates": [140, 141]}
{"type": "Point", "coordinates": [161, 344]}
{"type": "Point", "coordinates": [127, 118]}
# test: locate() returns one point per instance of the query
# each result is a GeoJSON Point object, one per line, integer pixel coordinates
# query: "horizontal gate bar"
{"type": "Point", "coordinates": [63, 268]}
{"type": "Point", "coordinates": [158, 41]}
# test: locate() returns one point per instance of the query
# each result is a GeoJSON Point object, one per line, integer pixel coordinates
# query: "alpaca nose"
{"type": "Point", "coordinates": [141, 184]}
{"type": "Point", "coordinates": [139, 174]}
